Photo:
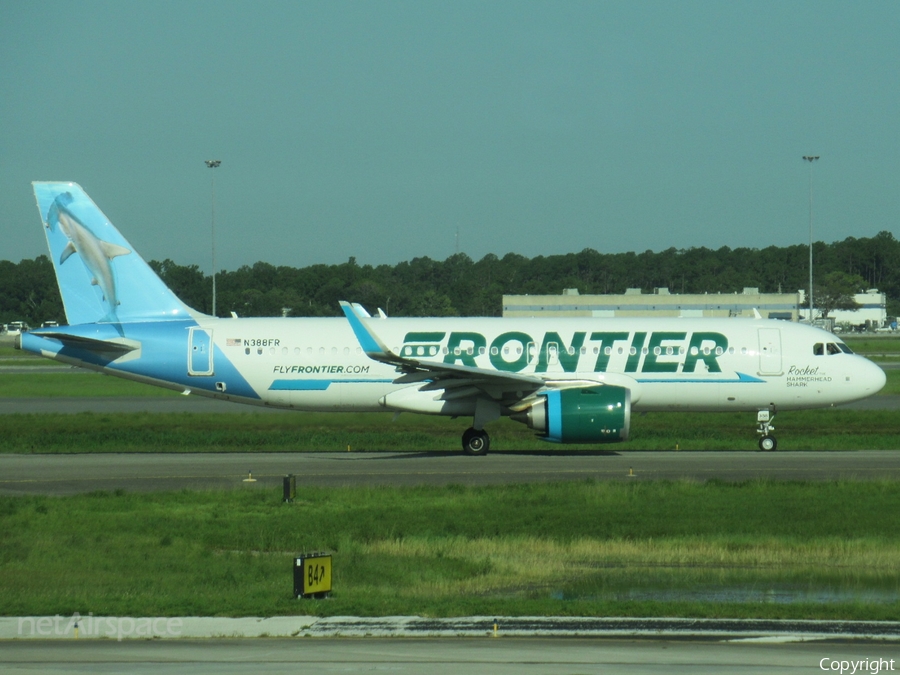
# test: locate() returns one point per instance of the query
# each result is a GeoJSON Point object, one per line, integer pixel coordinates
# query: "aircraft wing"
{"type": "Point", "coordinates": [457, 381]}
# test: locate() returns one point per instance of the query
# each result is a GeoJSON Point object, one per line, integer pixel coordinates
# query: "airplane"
{"type": "Point", "coordinates": [571, 380]}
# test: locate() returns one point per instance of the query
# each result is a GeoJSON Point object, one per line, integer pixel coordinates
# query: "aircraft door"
{"type": "Point", "coordinates": [770, 351]}
{"type": "Point", "coordinates": [200, 352]}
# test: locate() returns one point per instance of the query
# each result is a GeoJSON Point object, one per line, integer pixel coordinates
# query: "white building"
{"type": "Point", "coordinates": [872, 311]}
{"type": "Point", "coordinates": [659, 303]}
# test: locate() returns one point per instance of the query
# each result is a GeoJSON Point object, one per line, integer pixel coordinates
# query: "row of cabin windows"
{"type": "Point", "coordinates": [819, 349]}
{"type": "Point", "coordinates": [457, 351]}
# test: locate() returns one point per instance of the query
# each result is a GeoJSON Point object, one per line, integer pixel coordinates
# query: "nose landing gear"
{"type": "Point", "coordinates": [764, 419]}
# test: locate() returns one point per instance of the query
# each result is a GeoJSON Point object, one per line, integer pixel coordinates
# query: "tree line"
{"type": "Point", "coordinates": [460, 286]}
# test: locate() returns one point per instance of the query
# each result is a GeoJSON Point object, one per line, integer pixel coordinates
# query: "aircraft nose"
{"type": "Point", "coordinates": [873, 377]}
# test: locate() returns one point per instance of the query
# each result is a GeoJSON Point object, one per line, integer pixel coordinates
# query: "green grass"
{"type": "Point", "coordinates": [892, 387]}
{"type": "Point", "coordinates": [586, 548]}
{"type": "Point", "coordinates": [868, 345]}
{"type": "Point", "coordinates": [9, 356]}
{"type": "Point", "coordinates": [324, 432]}
{"type": "Point", "coordinates": [75, 384]}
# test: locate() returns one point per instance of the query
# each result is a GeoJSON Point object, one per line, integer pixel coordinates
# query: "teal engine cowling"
{"type": "Point", "coordinates": [581, 415]}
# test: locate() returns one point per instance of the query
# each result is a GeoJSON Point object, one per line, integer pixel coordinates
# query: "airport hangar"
{"type": "Point", "coordinates": [662, 303]}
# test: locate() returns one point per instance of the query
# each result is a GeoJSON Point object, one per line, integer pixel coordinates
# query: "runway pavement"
{"type": "Point", "coordinates": [72, 474]}
{"type": "Point", "coordinates": [472, 656]}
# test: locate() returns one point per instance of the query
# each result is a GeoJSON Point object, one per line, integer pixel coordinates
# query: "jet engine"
{"type": "Point", "coordinates": [580, 415]}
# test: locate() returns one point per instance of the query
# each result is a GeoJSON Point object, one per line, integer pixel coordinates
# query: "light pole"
{"type": "Point", "coordinates": [212, 164]}
{"type": "Point", "coordinates": [810, 159]}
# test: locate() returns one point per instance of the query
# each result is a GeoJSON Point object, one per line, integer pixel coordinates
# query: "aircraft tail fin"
{"type": "Point", "coordinates": [101, 278]}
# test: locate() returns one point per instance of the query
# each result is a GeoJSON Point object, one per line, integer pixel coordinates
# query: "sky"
{"type": "Point", "coordinates": [391, 130]}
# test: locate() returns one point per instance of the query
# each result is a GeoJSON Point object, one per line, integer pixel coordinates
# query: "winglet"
{"type": "Point", "coordinates": [371, 345]}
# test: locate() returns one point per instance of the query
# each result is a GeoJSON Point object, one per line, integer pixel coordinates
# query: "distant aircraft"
{"type": "Point", "coordinates": [572, 380]}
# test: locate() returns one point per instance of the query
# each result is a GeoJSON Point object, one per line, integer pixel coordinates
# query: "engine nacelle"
{"type": "Point", "coordinates": [583, 415]}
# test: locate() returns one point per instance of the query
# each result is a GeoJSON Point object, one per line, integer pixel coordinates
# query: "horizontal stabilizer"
{"type": "Point", "coordinates": [115, 346]}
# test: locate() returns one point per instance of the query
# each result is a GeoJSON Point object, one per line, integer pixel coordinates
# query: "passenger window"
{"type": "Point", "coordinates": [818, 349]}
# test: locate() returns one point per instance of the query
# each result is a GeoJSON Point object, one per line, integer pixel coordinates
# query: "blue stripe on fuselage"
{"type": "Point", "coordinates": [316, 385]}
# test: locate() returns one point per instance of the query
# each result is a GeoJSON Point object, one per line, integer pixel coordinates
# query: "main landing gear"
{"type": "Point", "coordinates": [764, 419]}
{"type": "Point", "coordinates": [476, 441]}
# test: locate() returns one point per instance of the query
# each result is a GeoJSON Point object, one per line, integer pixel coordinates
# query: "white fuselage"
{"type": "Point", "coordinates": [668, 364]}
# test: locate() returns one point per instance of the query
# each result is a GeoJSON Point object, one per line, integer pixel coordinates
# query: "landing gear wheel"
{"type": "Point", "coordinates": [768, 444]}
{"type": "Point", "coordinates": [475, 442]}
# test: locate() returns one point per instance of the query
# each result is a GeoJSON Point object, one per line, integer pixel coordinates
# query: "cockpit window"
{"type": "Point", "coordinates": [818, 349]}
{"type": "Point", "coordinates": [832, 349]}
{"type": "Point", "coordinates": [844, 348]}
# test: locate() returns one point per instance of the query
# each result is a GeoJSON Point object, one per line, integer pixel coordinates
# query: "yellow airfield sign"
{"type": "Point", "coordinates": [312, 575]}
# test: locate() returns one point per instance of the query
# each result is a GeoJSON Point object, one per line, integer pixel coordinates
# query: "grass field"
{"type": "Point", "coordinates": [756, 549]}
{"type": "Point", "coordinates": [790, 550]}
{"type": "Point", "coordinates": [78, 383]}
{"type": "Point", "coordinates": [323, 432]}
{"type": "Point", "coordinates": [874, 347]}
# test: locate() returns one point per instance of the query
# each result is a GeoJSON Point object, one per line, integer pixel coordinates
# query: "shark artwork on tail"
{"type": "Point", "coordinates": [96, 254]}
{"type": "Point", "coordinates": [570, 380]}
